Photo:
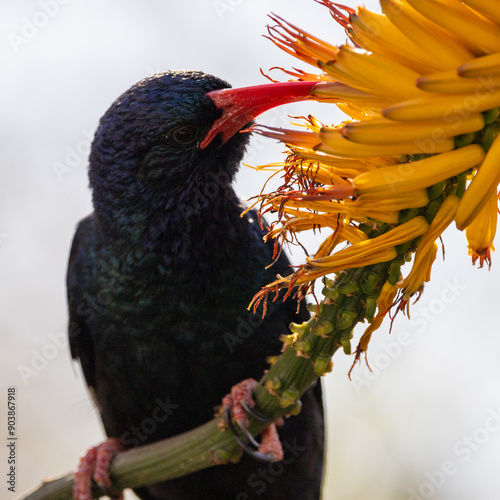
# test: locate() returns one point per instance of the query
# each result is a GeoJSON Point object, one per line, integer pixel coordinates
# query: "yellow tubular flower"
{"type": "Point", "coordinates": [420, 272]}
{"type": "Point", "coordinates": [332, 142]}
{"type": "Point", "coordinates": [370, 251]}
{"type": "Point", "coordinates": [382, 131]}
{"type": "Point", "coordinates": [438, 43]}
{"type": "Point", "coordinates": [384, 302]}
{"type": "Point", "coordinates": [395, 180]}
{"type": "Point", "coordinates": [456, 17]}
{"type": "Point", "coordinates": [435, 106]}
{"type": "Point", "coordinates": [300, 43]}
{"type": "Point", "coordinates": [415, 198]}
{"type": "Point", "coordinates": [376, 33]}
{"type": "Point", "coordinates": [453, 82]}
{"type": "Point", "coordinates": [380, 72]}
{"type": "Point", "coordinates": [487, 8]}
{"type": "Point", "coordinates": [475, 197]}
{"type": "Point", "coordinates": [354, 256]}
{"type": "Point", "coordinates": [341, 93]}
{"type": "Point", "coordinates": [481, 231]}
{"type": "Point", "coordinates": [481, 67]}
{"type": "Point", "coordinates": [291, 137]}
{"type": "Point", "coordinates": [426, 251]}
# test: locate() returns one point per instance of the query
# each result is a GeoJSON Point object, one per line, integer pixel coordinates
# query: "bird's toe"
{"type": "Point", "coordinates": [271, 444]}
{"type": "Point", "coordinates": [237, 405]}
{"type": "Point", "coordinates": [94, 466]}
{"type": "Point", "coordinates": [82, 486]}
{"type": "Point", "coordinates": [241, 396]}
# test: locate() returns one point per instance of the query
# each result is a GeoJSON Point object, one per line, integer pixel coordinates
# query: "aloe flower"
{"type": "Point", "coordinates": [420, 83]}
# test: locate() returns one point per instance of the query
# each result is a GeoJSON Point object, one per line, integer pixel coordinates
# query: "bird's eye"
{"type": "Point", "coordinates": [184, 136]}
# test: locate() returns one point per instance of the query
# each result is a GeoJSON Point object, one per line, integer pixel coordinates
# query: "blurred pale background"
{"type": "Point", "coordinates": [432, 402]}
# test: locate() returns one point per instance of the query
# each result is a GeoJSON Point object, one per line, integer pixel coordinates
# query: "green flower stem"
{"type": "Point", "coordinates": [307, 356]}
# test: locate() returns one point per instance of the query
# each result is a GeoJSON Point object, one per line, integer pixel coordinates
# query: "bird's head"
{"type": "Point", "coordinates": [168, 135]}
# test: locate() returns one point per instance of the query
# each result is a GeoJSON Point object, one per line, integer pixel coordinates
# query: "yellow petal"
{"type": "Point", "coordinates": [395, 180]}
{"type": "Point", "coordinates": [438, 43]}
{"type": "Point", "coordinates": [332, 142]}
{"type": "Point", "coordinates": [341, 93]}
{"type": "Point", "coordinates": [488, 8]}
{"type": "Point", "coordinates": [456, 17]}
{"type": "Point", "coordinates": [476, 195]}
{"type": "Point", "coordinates": [449, 82]}
{"type": "Point", "coordinates": [420, 272]}
{"type": "Point", "coordinates": [379, 249]}
{"type": "Point", "coordinates": [300, 43]}
{"type": "Point", "coordinates": [382, 131]}
{"type": "Point", "coordinates": [393, 45]}
{"type": "Point", "coordinates": [415, 198]}
{"type": "Point", "coordinates": [378, 29]}
{"type": "Point", "coordinates": [388, 77]}
{"type": "Point", "coordinates": [426, 251]}
{"type": "Point", "coordinates": [449, 107]}
{"type": "Point", "coordinates": [384, 302]}
{"type": "Point", "coordinates": [481, 66]}
{"type": "Point", "coordinates": [481, 231]}
{"type": "Point", "coordinates": [441, 221]}
{"type": "Point", "coordinates": [298, 138]}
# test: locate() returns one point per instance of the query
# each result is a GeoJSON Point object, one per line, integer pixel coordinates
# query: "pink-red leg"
{"type": "Point", "coordinates": [94, 466]}
{"type": "Point", "coordinates": [270, 448]}
{"type": "Point", "coordinates": [271, 444]}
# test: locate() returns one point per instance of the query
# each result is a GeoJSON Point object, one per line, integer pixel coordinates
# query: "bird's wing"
{"type": "Point", "coordinates": [282, 266]}
{"type": "Point", "coordinates": [77, 280]}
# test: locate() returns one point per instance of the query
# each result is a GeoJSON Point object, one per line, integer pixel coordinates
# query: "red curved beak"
{"type": "Point", "coordinates": [242, 105]}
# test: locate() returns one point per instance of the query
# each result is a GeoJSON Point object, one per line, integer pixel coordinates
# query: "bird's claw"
{"type": "Point", "coordinates": [252, 412]}
{"type": "Point", "coordinates": [237, 405]}
{"type": "Point", "coordinates": [249, 450]}
{"type": "Point", "coordinates": [94, 466]}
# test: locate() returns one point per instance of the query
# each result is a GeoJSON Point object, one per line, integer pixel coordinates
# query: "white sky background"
{"type": "Point", "coordinates": [434, 388]}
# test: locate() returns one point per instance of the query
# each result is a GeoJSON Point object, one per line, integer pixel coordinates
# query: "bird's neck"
{"type": "Point", "coordinates": [190, 225]}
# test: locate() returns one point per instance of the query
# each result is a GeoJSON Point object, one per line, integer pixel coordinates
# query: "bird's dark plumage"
{"type": "Point", "coordinates": [159, 280]}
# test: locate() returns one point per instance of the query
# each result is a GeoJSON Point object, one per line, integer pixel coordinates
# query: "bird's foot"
{"type": "Point", "coordinates": [237, 405]}
{"type": "Point", "coordinates": [94, 465]}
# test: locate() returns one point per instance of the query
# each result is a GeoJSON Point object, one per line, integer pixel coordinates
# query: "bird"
{"type": "Point", "coordinates": [159, 280]}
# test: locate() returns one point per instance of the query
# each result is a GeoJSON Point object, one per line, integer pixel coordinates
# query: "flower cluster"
{"type": "Point", "coordinates": [420, 83]}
